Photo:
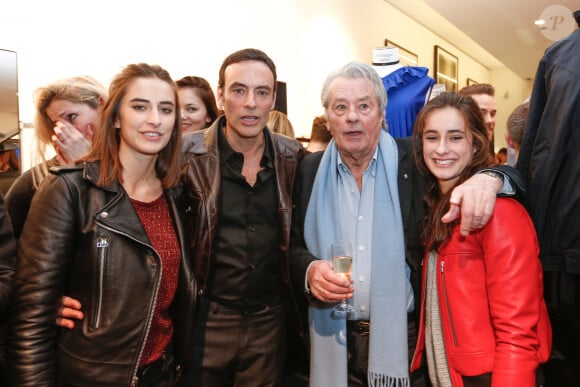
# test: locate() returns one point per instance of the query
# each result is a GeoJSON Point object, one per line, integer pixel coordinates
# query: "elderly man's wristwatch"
{"type": "Point", "coordinates": [495, 174]}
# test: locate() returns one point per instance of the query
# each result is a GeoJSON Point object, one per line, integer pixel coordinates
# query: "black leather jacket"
{"type": "Point", "coordinates": [87, 241]}
{"type": "Point", "coordinates": [7, 260]}
{"type": "Point", "coordinates": [548, 158]}
{"type": "Point", "coordinates": [7, 267]}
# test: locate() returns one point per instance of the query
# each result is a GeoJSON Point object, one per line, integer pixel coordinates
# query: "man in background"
{"type": "Point", "coordinates": [516, 125]}
{"type": "Point", "coordinates": [483, 94]}
{"type": "Point", "coordinates": [501, 156]}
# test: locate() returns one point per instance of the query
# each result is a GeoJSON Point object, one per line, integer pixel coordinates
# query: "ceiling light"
{"type": "Point", "coordinates": [540, 22]}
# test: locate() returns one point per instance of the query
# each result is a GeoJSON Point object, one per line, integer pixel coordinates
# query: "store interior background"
{"type": "Point", "coordinates": [305, 38]}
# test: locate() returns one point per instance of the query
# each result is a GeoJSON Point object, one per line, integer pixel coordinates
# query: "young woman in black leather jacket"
{"type": "Point", "coordinates": [110, 233]}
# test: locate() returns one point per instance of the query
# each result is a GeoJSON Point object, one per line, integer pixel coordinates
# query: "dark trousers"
{"type": "Point", "coordinates": [160, 373]}
{"type": "Point", "coordinates": [3, 349]}
{"type": "Point", "coordinates": [358, 350]}
{"type": "Point", "coordinates": [239, 346]}
{"type": "Point", "coordinates": [562, 294]}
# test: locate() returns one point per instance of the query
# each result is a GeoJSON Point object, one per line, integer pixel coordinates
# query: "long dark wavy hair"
{"type": "Point", "coordinates": [435, 232]}
{"type": "Point", "coordinates": [107, 139]}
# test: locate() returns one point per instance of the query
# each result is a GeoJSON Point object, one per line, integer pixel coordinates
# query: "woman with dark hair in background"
{"type": "Point", "coordinates": [197, 104]}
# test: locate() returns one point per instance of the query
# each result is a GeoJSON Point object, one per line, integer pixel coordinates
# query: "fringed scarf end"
{"type": "Point", "coordinates": [380, 380]}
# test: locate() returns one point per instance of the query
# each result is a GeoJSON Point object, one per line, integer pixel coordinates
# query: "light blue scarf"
{"type": "Point", "coordinates": [388, 360]}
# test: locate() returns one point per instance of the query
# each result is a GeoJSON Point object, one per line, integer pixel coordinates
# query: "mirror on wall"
{"type": "Point", "coordinates": [10, 165]}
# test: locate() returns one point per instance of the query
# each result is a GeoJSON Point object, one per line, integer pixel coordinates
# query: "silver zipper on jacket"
{"type": "Point", "coordinates": [102, 244]}
{"type": "Point", "coordinates": [134, 378]}
{"type": "Point", "coordinates": [444, 286]}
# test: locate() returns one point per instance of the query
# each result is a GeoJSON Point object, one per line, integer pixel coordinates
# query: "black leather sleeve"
{"type": "Point", "coordinates": [7, 260]}
{"type": "Point", "coordinates": [43, 258]}
{"type": "Point", "coordinates": [516, 179]}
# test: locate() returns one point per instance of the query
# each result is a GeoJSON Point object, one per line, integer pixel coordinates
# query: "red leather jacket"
{"type": "Point", "coordinates": [490, 289]}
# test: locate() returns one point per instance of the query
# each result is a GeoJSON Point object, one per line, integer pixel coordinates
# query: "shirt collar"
{"type": "Point", "coordinates": [227, 152]}
{"type": "Point", "coordinates": [343, 167]}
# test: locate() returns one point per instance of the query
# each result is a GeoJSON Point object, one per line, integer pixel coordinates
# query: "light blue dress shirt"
{"type": "Point", "coordinates": [357, 221]}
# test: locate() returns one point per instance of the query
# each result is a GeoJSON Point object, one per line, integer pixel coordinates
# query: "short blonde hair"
{"type": "Point", "coordinates": [79, 89]}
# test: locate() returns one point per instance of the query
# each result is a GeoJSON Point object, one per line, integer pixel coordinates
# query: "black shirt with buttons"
{"type": "Point", "coordinates": [245, 271]}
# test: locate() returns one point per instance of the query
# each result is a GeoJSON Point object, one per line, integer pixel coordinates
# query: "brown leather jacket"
{"type": "Point", "coordinates": [86, 241]}
{"type": "Point", "coordinates": [203, 185]}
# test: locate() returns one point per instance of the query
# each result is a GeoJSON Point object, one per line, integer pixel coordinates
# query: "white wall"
{"type": "Point", "coordinates": [305, 38]}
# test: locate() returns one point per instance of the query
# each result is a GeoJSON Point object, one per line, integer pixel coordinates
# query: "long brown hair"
{"type": "Point", "coordinates": [435, 232]}
{"type": "Point", "coordinates": [106, 143]}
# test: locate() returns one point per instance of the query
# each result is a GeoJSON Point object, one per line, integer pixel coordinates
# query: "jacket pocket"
{"type": "Point", "coordinates": [446, 303]}
{"type": "Point", "coordinates": [102, 245]}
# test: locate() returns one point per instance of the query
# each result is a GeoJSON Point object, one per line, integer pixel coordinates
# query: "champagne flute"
{"type": "Point", "coordinates": [342, 264]}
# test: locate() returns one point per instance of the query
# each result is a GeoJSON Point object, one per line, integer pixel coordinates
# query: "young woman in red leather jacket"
{"type": "Point", "coordinates": [483, 317]}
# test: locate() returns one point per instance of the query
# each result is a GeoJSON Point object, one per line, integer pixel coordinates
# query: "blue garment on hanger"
{"type": "Point", "coordinates": [408, 90]}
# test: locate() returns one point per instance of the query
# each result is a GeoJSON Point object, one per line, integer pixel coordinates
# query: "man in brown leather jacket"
{"type": "Point", "coordinates": [239, 178]}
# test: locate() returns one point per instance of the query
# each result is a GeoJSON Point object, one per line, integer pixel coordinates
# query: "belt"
{"type": "Point", "coordinates": [364, 326]}
{"type": "Point", "coordinates": [159, 369]}
{"type": "Point", "coordinates": [241, 307]}
{"type": "Point", "coordinates": [361, 326]}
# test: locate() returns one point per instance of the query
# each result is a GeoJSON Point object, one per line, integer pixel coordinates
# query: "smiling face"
{"type": "Point", "coordinates": [193, 111]}
{"type": "Point", "coordinates": [247, 98]}
{"type": "Point", "coordinates": [447, 145]}
{"type": "Point", "coordinates": [354, 119]}
{"type": "Point", "coordinates": [80, 115]}
{"type": "Point", "coordinates": [146, 117]}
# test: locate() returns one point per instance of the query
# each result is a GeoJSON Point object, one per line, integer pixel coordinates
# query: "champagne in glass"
{"type": "Point", "coordinates": [342, 264]}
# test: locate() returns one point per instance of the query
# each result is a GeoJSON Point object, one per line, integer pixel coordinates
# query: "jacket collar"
{"type": "Point", "coordinates": [92, 172]}
{"type": "Point", "coordinates": [207, 140]}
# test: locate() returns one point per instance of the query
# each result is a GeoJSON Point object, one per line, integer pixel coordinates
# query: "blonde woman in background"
{"type": "Point", "coordinates": [67, 114]}
{"type": "Point", "coordinates": [279, 123]}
